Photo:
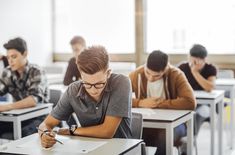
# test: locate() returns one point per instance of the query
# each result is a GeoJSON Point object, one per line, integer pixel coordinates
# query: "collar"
{"type": "Point", "coordinates": [25, 72]}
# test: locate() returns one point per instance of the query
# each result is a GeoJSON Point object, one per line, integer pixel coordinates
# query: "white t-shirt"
{"type": "Point", "coordinates": [156, 89]}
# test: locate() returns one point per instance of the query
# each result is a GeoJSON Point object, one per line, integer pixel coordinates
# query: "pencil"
{"type": "Point", "coordinates": [49, 135]}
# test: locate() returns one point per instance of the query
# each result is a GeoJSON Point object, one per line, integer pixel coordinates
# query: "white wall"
{"type": "Point", "coordinates": [31, 20]}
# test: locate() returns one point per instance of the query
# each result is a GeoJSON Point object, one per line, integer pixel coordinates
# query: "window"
{"type": "Point", "coordinates": [174, 26]}
{"type": "Point", "coordinates": [105, 22]}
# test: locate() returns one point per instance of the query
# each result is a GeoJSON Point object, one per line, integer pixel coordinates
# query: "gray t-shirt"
{"type": "Point", "coordinates": [115, 101]}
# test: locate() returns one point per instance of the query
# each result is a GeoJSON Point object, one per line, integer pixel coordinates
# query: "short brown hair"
{"type": "Point", "coordinates": [93, 59]}
{"type": "Point", "coordinates": [78, 40]}
{"type": "Point", "coordinates": [18, 44]}
{"type": "Point", "coordinates": [157, 61]}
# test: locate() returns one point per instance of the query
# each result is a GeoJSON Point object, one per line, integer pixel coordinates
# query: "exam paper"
{"type": "Point", "coordinates": [68, 146]}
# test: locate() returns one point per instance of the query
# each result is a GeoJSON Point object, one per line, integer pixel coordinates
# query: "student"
{"type": "Point", "coordinates": [3, 64]}
{"type": "Point", "coordinates": [4, 61]}
{"type": "Point", "coordinates": [101, 101]}
{"type": "Point", "coordinates": [157, 84]}
{"type": "Point", "coordinates": [24, 81]}
{"type": "Point", "coordinates": [201, 76]}
{"type": "Point", "coordinates": [72, 73]}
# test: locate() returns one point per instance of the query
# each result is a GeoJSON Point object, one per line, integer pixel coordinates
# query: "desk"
{"type": "Point", "coordinates": [228, 85]}
{"type": "Point", "coordinates": [213, 98]}
{"type": "Point", "coordinates": [19, 115]}
{"type": "Point", "coordinates": [168, 120]}
{"type": "Point", "coordinates": [113, 146]}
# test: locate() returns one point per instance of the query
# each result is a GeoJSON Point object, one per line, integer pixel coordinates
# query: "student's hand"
{"type": "Point", "coordinates": [149, 103]}
{"type": "Point", "coordinates": [63, 131]}
{"type": "Point", "coordinates": [197, 65]}
{"type": "Point", "coordinates": [5, 107]}
{"type": "Point", "coordinates": [48, 139]}
{"type": "Point", "coordinates": [159, 100]}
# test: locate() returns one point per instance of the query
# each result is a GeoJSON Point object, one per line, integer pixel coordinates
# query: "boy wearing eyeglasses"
{"type": "Point", "coordinates": [101, 101]}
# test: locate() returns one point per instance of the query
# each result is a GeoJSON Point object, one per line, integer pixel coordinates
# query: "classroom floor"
{"type": "Point", "coordinates": [203, 141]}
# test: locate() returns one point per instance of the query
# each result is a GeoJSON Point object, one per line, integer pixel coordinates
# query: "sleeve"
{"type": "Point", "coordinates": [183, 66]}
{"type": "Point", "coordinates": [38, 84]}
{"type": "Point", "coordinates": [134, 85]}
{"type": "Point", "coordinates": [63, 109]}
{"type": "Point", "coordinates": [185, 99]}
{"type": "Point", "coordinates": [212, 71]}
{"type": "Point", "coordinates": [120, 98]}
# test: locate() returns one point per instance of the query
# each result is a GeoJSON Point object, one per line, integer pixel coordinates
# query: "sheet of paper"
{"type": "Point", "coordinates": [144, 111]}
{"type": "Point", "coordinates": [68, 146]}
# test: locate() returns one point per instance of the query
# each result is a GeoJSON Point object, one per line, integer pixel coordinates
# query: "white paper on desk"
{"type": "Point", "coordinates": [78, 146]}
{"type": "Point", "coordinates": [36, 144]}
{"type": "Point", "coordinates": [68, 146]}
{"type": "Point", "coordinates": [144, 111]}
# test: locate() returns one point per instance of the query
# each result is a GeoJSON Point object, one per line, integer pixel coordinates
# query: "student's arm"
{"type": "Point", "coordinates": [24, 103]}
{"type": "Point", "coordinates": [185, 99]}
{"type": "Point", "coordinates": [207, 84]}
{"type": "Point", "coordinates": [147, 103]}
{"type": "Point", "coordinates": [105, 130]}
{"type": "Point", "coordinates": [138, 101]}
{"type": "Point", "coordinates": [47, 125]}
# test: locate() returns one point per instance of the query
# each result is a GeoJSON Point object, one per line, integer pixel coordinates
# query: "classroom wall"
{"type": "Point", "coordinates": [30, 19]}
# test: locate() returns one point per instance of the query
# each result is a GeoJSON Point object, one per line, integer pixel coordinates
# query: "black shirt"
{"type": "Point", "coordinates": [207, 71]}
{"type": "Point", "coordinates": [72, 73]}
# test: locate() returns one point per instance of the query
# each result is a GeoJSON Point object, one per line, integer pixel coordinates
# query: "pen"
{"type": "Point", "coordinates": [49, 135]}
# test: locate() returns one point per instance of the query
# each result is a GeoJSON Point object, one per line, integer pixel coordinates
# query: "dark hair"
{"type": "Point", "coordinates": [78, 40]}
{"type": "Point", "coordinates": [198, 51]}
{"type": "Point", "coordinates": [93, 59]}
{"type": "Point", "coordinates": [157, 61]}
{"type": "Point", "coordinates": [18, 44]}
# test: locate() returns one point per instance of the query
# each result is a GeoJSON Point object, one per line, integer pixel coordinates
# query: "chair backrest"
{"type": "Point", "coordinates": [137, 125]}
{"type": "Point", "coordinates": [225, 73]}
{"type": "Point", "coordinates": [54, 96]}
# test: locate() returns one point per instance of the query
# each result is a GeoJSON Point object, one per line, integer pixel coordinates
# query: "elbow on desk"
{"type": "Point", "coordinates": [108, 135]}
{"type": "Point", "coordinates": [192, 104]}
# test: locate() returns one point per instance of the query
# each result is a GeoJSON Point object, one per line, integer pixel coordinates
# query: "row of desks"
{"type": "Point", "coordinates": [168, 119]}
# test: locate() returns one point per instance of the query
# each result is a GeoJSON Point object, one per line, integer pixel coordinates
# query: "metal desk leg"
{"type": "Point", "coordinates": [232, 91]}
{"type": "Point", "coordinates": [220, 131]}
{"type": "Point", "coordinates": [17, 128]}
{"type": "Point", "coordinates": [212, 125]}
{"type": "Point", "coordinates": [169, 139]}
{"type": "Point", "coordinates": [190, 136]}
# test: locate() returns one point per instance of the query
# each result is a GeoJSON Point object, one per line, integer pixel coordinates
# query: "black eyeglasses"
{"type": "Point", "coordinates": [99, 85]}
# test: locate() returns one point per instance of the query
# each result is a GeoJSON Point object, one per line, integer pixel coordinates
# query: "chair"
{"type": "Point", "coordinates": [54, 96]}
{"type": "Point", "coordinates": [137, 125]}
{"type": "Point", "coordinates": [137, 129]}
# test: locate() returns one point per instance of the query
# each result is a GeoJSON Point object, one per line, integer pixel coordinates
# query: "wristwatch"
{"type": "Point", "coordinates": [72, 129]}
